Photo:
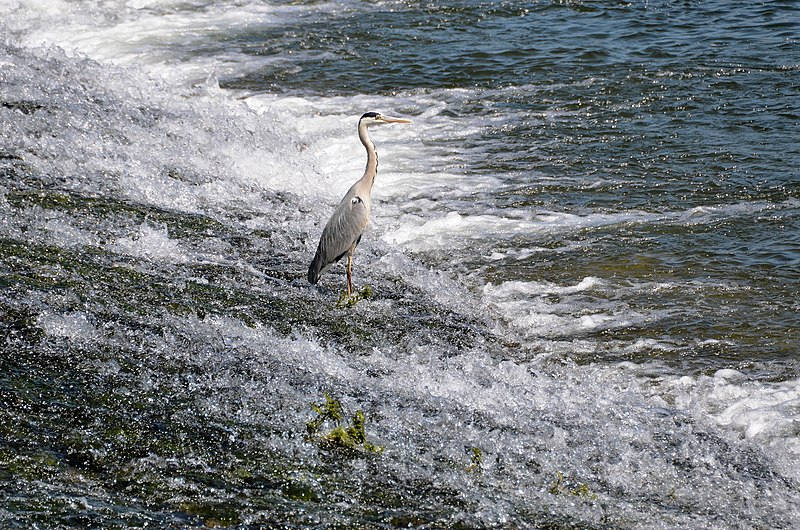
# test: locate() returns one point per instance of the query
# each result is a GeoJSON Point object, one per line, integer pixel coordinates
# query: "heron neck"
{"type": "Point", "coordinates": [372, 156]}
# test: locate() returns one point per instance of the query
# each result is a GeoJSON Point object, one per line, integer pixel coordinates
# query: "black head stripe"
{"type": "Point", "coordinates": [371, 115]}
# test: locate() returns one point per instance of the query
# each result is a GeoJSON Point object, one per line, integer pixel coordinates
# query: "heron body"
{"type": "Point", "coordinates": [341, 235]}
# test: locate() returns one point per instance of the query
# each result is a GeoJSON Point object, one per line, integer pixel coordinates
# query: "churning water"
{"type": "Point", "coordinates": [584, 257]}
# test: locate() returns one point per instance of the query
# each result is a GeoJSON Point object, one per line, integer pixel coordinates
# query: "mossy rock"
{"type": "Point", "coordinates": [352, 437]}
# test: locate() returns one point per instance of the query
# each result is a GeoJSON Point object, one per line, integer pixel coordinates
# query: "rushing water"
{"type": "Point", "coordinates": [584, 257]}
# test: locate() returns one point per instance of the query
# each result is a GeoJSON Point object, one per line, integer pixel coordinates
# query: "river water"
{"type": "Point", "coordinates": [584, 259]}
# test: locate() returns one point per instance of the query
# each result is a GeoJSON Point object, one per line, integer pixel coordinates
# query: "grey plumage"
{"type": "Point", "coordinates": [341, 235]}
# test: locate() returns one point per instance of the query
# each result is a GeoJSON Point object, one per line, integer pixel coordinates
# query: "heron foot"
{"type": "Point", "coordinates": [349, 300]}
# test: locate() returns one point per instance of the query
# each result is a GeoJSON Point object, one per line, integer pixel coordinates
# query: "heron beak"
{"type": "Point", "coordinates": [389, 119]}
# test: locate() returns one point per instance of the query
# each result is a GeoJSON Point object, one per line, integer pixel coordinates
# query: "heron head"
{"type": "Point", "coordinates": [372, 118]}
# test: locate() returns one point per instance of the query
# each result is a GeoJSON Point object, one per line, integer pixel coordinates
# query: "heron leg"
{"type": "Point", "coordinates": [349, 275]}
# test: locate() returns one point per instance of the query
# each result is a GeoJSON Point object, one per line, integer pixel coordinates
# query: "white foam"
{"type": "Point", "coordinates": [148, 34]}
{"type": "Point", "coordinates": [759, 409]}
{"type": "Point", "coordinates": [75, 325]}
{"type": "Point", "coordinates": [452, 229]}
{"type": "Point", "coordinates": [64, 233]}
{"type": "Point", "coordinates": [512, 289]}
{"type": "Point", "coordinates": [424, 232]}
{"type": "Point", "coordinates": [766, 413]}
{"type": "Point", "coordinates": [152, 244]}
{"type": "Point", "coordinates": [325, 129]}
{"type": "Point", "coordinates": [531, 309]}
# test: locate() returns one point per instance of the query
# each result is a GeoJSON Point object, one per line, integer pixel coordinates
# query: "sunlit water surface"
{"type": "Point", "coordinates": [584, 257]}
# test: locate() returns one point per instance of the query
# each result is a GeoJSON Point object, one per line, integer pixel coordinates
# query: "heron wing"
{"type": "Point", "coordinates": [341, 234]}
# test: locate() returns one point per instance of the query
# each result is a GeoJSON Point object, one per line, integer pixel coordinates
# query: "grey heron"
{"type": "Point", "coordinates": [348, 222]}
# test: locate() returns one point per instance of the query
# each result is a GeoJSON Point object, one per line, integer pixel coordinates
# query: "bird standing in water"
{"type": "Point", "coordinates": [348, 222]}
